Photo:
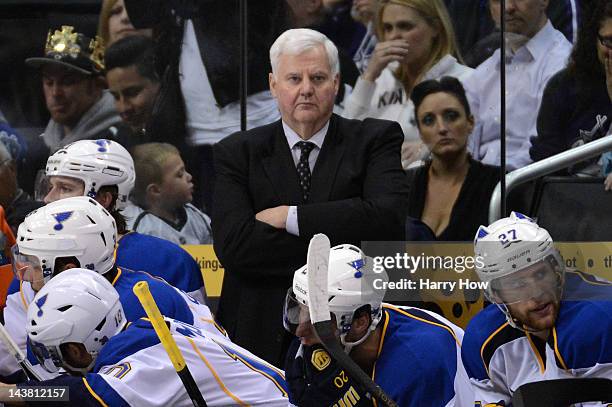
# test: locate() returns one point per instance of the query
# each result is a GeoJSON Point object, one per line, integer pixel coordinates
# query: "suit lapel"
{"type": "Point", "coordinates": [328, 162]}
{"type": "Point", "coordinates": [280, 168]}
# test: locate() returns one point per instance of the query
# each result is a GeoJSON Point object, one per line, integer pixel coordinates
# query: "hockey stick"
{"type": "Point", "coordinates": [21, 359]}
{"type": "Point", "coordinates": [318, 306]}
{"type": "Point", "coordinates": [563, 392]}
{"type": "Point", "coordinates": [141, 289]}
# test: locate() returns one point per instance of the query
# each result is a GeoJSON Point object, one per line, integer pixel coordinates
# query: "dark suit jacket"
{"type": "Point", "coordinates": [358, 193]}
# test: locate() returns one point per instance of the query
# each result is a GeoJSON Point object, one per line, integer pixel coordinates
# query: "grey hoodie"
{"type": "Point", "coordinates": [94, 122]}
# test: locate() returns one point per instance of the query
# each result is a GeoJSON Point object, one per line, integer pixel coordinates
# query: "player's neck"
{"type": "Point", "coordinates": [365, 353]}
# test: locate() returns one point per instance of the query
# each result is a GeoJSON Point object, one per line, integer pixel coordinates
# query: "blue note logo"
{"type": "Point", "coordinates": [39, 303]}
{"type": "Point", "coordinates": [60, 218]}
{"type": "Point", "coordinates": [357, 265]}
{"type": "Point", "coordinates": [102, 145]}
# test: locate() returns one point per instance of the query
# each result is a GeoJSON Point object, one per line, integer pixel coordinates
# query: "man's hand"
{"type": "Point", "coordinates": [608, 183]}
{"type": "Point", "coordinates": [412, 151]}
{"type": "Point", "coordinates": [275, 217]}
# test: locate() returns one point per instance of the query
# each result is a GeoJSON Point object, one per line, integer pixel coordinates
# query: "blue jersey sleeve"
{"type": "Point", "coordinates": [170, 303]}
{"type": "Point", "coordinates": [163, 259]}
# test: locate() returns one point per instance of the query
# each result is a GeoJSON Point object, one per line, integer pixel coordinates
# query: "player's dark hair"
{"type": "Point", "coordinates": [119, 218]}
{"type": "Point", "coordinates": [133, 50]}
{"type": "Point", "coordinates": [447, 84]}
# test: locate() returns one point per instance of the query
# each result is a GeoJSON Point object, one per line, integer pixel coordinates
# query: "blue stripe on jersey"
{"type": "Point", "coordinates": [418, 360]}
{"type": "Point", "coordinates": [583, 334]}
{"type": "Point", "coordinates": [168, 300]}
{"type": "Point", "coordinates": [128, 342]}
{"type": "Point", "coordinates": [103, 390]}
{"type": "Point", "coordinates": [479, 330]}
{"type": "Point", "coordinates": [14, 287]}
{"type": "Point", "coordinates": [160, 258]}
{"type": "Point", "coordinates": [272, 374]}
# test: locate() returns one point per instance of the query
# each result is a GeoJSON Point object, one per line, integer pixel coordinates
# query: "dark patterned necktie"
{"type": "Point", "coordinates": [303, 168]}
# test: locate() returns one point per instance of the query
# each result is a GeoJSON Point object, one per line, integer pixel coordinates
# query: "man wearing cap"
{"type": "Point", "coordinates": [74, 89]}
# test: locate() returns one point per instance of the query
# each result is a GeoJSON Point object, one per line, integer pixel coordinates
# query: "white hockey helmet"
{"type": "Point", "coordinates": [97, 163]}
{"type": "Point", "coordinates": [77, 306]}
{"type": "Point", "coordinates": [350, 286]}
{"type": "Point", "coordinates": [509, 246]}
{"type": "Point", "coordinates": [77, 226]}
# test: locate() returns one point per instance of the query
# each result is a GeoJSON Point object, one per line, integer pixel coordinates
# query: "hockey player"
{"type": "Point", "coordinates": [545, 322]}
{"type": "Point", "coordinates": [79, 232]}
{"type": "Point", "coordinates": [77, 322]}
{"type": "Point", "coordinates": [104, 170]}
{"type": "Point", "coordinates": [414, 355]}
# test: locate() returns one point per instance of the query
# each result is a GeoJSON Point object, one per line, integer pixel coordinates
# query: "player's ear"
{"type": "Point", "coordinates": [105, 199]}
{"type": "Point", "coordinates": [360, 324]}
{"type": "Point", "coordinates": [76, 354]}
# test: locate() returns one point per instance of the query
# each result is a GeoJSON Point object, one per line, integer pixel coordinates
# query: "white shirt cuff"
{"type": "Point", "coordinates": [292, 221]}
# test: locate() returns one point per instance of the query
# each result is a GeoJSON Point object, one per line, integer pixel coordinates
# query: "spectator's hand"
{"type": "Point", "coordinates": [384, 53]}
{"type": "Point", "coordinates": [608, 69]}
{"type": "Point", "coordinates": [608, 183]}
{"type": "Point", "coordinates": [275, 217]}
{"type": "Point", "coordinates": [412, 151]}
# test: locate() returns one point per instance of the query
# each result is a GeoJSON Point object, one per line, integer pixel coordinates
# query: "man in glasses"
{"type": "Point", "coordinates": [545, 322]}
{"type": "Point", "coordinates": [412, 354]}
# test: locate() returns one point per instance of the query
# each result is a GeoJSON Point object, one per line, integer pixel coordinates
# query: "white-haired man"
{"type": "Point", "coordinates": [380, 338]}
{"type": "Point", "coordinates": [77, 322]}
{"type": "Point", "coordinates": [279, 184]}
{"type": "Point", "coordinates": [545, 322]}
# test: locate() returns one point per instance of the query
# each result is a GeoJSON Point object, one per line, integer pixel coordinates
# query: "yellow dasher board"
{"type": "Point", "coordinates": [457, 305]}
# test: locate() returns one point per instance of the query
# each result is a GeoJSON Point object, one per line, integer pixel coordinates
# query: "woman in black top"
{"type": "Point", "coordinates": [450, 194]}
{"type": "Point", "coordinates": [576, 95]}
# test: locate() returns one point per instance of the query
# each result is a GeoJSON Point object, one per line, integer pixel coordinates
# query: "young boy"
{"type": "Point", "coordinates": [162, 197]}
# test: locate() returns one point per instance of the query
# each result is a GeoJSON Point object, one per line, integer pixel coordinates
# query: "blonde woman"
{"type": "Point", "coordinates": [416, 43]}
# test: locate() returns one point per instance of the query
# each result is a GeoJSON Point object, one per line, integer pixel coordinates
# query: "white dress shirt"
{"type": "Point", "coordinates": [293, 139]}
{"type": "Point", "coordinates": [527, 72]}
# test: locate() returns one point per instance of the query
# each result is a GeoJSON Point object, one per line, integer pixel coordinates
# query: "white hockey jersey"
{"type": "Point", "coordinates": [170, 300]}
{"type": "Point", "coordinates": [193, 229]}
{"type": "Point", "coordinates": [499, 358]}
{"type": "Point", "coordinates": [134, 369]}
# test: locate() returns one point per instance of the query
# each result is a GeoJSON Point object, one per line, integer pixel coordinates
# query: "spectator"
{"type": "Point", "coordinates": [312, 14]}
{"type": "Point", "coordinates": [535, 52]}
{"type": "Point", "coordinates": [198, 59]}
{"type": "Point", "coordinates": [74, 90]}
{"type": "Point", "coordinates": [416, 43]}
{"type": "Point", "coordinates": [577, 95]}
{"type": "Point", "coordinates": [445, 123]}
{"type": "Point", "coordinates": [348, 184]}
{"type": "Point", "coordinates": [114, 23]}
{"type": "Point", "coordinates": [15, 201]}
{"type": "Point", "coordinates": [163, 194]}
{"type": "Point", "coordinates": [133, 82]}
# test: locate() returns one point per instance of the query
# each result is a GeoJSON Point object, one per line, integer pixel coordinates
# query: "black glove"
{"type": "Point", "coordinates": [316, 380]}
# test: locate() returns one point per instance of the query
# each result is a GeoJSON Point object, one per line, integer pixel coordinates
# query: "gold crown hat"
{"type": "Point", "coordinates": [72, 50]}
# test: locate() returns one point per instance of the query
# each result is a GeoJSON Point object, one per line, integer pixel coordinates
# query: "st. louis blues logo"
{"type": "Point", "coordinates": [61, 217]}
{"type": "Point", "coordinates": [39, 303]}
{"type": "Point", "coordinates": [357, 265]}
{"type": "Point", "coordinates": [102, 145]}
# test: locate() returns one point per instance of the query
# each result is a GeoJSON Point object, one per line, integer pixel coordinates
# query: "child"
{"type": "Point", "coordinates": [162, 197]}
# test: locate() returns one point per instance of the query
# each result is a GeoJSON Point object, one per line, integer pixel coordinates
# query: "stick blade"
{"type": "Point", "coordinates": [317, 264]}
